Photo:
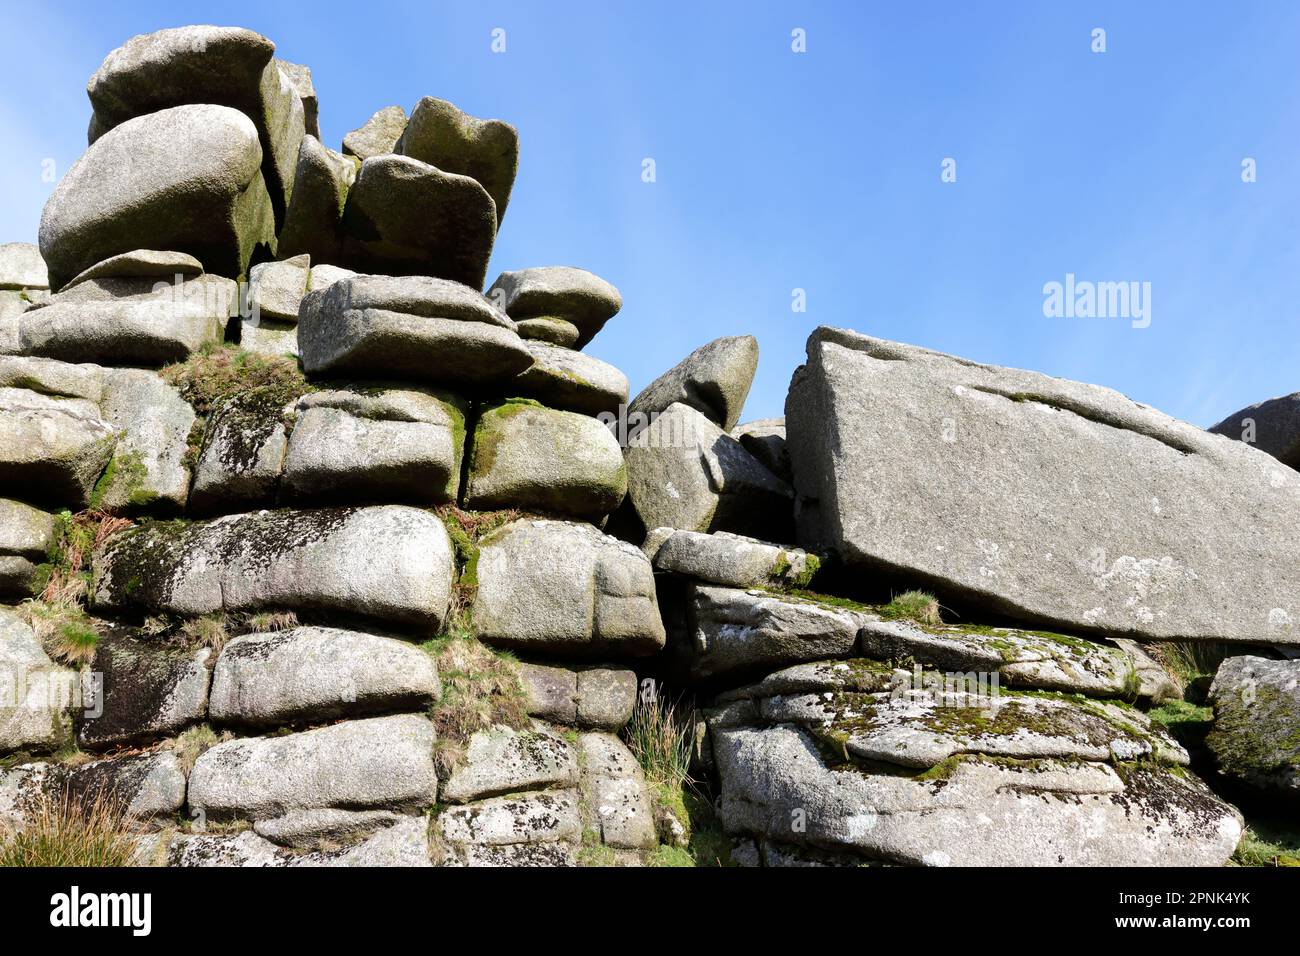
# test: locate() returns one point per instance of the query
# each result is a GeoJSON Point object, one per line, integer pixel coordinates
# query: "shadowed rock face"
{"type": "Point", "coordinates": [1052, 500]}
{"type": "Point", "coordinates": [1256, 734]}
{"type": "Point", "coordinates": [1272, 426]}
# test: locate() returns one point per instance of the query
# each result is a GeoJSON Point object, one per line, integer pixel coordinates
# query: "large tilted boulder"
{"type": "Point", "coordinates": [387, 563]}
{"type": "Point", "coordinates": [543, 460]}
{"type": "Point", "coordinates": [1272, 426]}
{"type": "Point", "coordinates": [414, 327]}
{"type": "Point", "coordinates": [561, 304]}
{"type": "Point", "coordinates": [187, 179]}
{"type": "Point", "coordinates": [316, 674]}
{"type": "Point", "coordinates": [714, 380]}
{"type": "Point", "coordinates": [565, 589]}
{"type": "Point", "coordinates": [486, 150]}
{"type": "Point", "coordinates": [34, 692]}
{"type": "Point", "coordinates": [226, 66]}
{"type": "Point", "coordinates": [1052, 500]}
{"type": "Point", "coordinates": [1256, 734]}
{"type": "Point", "coordinates": [685, 472]}
{"type": "Point", "coordinates": [376, 763]}
{"type": "Point", "coordinates": [405, 217]}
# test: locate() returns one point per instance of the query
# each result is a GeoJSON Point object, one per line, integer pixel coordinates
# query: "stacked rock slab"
{"type": "Point", "coordinates": [1057, 502]}
{"type": "Point", "coordinates": [265, 658]}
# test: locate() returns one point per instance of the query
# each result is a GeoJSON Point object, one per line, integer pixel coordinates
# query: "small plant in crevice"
{"type": "Point", "coordinates": [915, 606]}
{"type": "Point", "coordinates": [210, 630]}
{"type": "Point", "coordinates": [57, 615]}
{"type": "Point", "coordinates": [480, 688]}
{"type": "Point", "coordinates": [466, 529]}
{"type": "Point", "coordinates": [62, 830]}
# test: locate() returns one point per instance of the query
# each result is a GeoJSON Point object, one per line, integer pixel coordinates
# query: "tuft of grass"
{"type": "Point", "coordinates": [266, 621]}
{"type": "Point", "coordinates": [915, 606]}
{"type": "Point", "coordinates": [660, 736]}
{"type": "Point", "coordinates": [192, 743]}
{"type": "Point", "coordinates": [62, 830]}
{"type": "Point", "coordinates": [1267, 847]}
{"type": "Point", "coordinates": [64, 629]}
{"type": "Point", "coordinates": [1188, 661]}
{"type": "Point", "coordinates": [480, 688]}
{"type": "Point", "coordinates": [207, 631]}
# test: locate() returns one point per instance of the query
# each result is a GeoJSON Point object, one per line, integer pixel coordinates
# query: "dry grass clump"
{"type": "Point", "coordinates": [62, 830]}
{"type": "Point", "coordinates": [915, 606]}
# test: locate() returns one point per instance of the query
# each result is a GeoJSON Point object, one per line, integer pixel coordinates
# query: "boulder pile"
{"type": "Point", "coordinates": [314, 553]}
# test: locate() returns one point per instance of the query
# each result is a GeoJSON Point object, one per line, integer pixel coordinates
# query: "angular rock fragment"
{"type": "Point", "coordinates": [545, 817]}
{"type": "Point", "coordinates": [558, 293]}
{"type": "Point", "coordinates": [317, 674]}
{"type": "Point", "coordinates": [600, 697]}
{"type": "Point", "coordinates": [1058, 502]}
{"type": "Point", "coordinates": [543, 460]}
{"type": "Point", "coordinates": [26, 536]}
{"type": "Point", "coordinates": [405, 217]}
{"type": "Point", "coordinates": [486, 150]}
{"type": "Point", "coordinates": [1256, 734]}
{"type": "Point", "coordinates": [52, 449]}
{"type": "Point", "coordinates": [387, 563]}
{"type": "Point", "coordinates": [312, 224]}
{"type": "Point", "coordinates": [21, 267]}
{"type": "Point", "coordinates": [565, 589]}
{"type": "Point", "coordinates": [764, 438]}
{"type": "Point", "coordinates": [186, 179]}
{"type": "Point", "coordinates": [737, 630]}
{"type": "Point", "coordinates": [377, 763]}
{"type": "Point", "coordinates": [300, 79]}
{"type": "Point", "coordinates": [684, 472]}
{"type": "Point", "coordinates": [714, 380]}
{"type": "Point", "coordinates": [574, 381]}
{"type": "Point", "coordinates": [34, 692]}
{"type": "Point", "coordinates": [226, 66]}
{"type": "Point", "coordinates": [147, 470]}
{"type": "Point", "coordinates": [378, 136]}
{"type": "Point", "coordinates": [732, 559]}
{"type": "Point", "coordinates": [243, 453]}
{"type": "Point", "coordinates": [276, 288]}
{"type": "Point", "coordinates": [614, 793]}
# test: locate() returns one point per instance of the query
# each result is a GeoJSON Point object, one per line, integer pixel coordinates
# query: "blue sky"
{"type": "Point", "coordinates": [821, 170]}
